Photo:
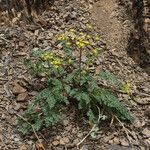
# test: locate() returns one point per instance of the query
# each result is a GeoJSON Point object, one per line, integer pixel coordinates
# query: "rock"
{"type": "Point", "coordinates": [22, 97]}
{"type": "Point", "coordinates": [17, 106]}
{"type": "Point", "coordinates": [17, 89]}
{"type": "Point", "coordinates": [66, 140]}
{"type": "Point", "coordinates": [116, 141]}
{"type": "Point", "coordinates": [147, 141]}
{"type": "Point", "coordinates": [62, 142]}
{"type": "Point", "coordinates": [58, 137]}
{"type": "Point", "coordinates": [76, 141]}
{"type": "Point", "coordinates": [108, 138]}
{"type": "Point", "coordinates": [124, 142]}
{"type": "Point", "coordinates": [137, 123]}
{"type": "Point", "coordinates": [80, 135]}
{"type": "Point", "coordinates": [56, 142]}
{"type": "Point", "coordinates": [21, 43]}
{"type": "Point", "coordinates": [146, 132]}
{"type": "Point", "coordinates": [73, 15]}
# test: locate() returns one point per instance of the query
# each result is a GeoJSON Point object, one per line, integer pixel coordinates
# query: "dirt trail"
{"type": "Point", "coordinates": [115, 24]}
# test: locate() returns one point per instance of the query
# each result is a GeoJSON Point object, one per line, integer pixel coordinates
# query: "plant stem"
{"type": "Point", "coordinates": [80, 63]}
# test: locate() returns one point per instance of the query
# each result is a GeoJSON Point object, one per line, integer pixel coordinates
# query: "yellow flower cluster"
{"type": "Point", "coordinates": [61, 37]}
{"type": "Point", "coordinates": [47, 56]}
{"type": "Point", "coordinates": [95, 52]}
{"type": "Point", "coordinates": [56, 63]}
{"type": "Point", "coordinates": [97, 38]}
{"type": "Point", "coordinates": [70, 61]}
{"type": "Point", "coordinates": [81, 42]}
{"type": "Point", "coordinates": [89, 26]}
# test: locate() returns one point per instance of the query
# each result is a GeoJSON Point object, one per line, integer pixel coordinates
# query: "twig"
{"type": "Point", "coordinates": [94, 126]}
{"type": "Point", "coordinates": [32, 129]}
{"type": "Point", "coordinates": [112, 120]}
{"type": "Point", "coordinates": [86, 135]}
{"type": "Point", "coordinates": [4, 39]}
{"type": "Point", "coordinates": [80, 62]}
{"type": "Point", "coordinates": [126, 130]}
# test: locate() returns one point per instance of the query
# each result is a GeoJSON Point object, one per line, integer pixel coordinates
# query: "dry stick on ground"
{"type": "Point", "coordinates": [94, 126]}
{"type": "Point", "coordinates": [4, 39]}
{"type": "Point", "coordinates": [32, 129]}
{"type": "Point", "coordinates": [126, 130]}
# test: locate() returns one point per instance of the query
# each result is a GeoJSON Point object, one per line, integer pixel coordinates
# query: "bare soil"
{"type": "Point", "coordinates": [18, 39]}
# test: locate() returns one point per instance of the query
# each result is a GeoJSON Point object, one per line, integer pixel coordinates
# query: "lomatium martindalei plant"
{"type": "Point", "coordinates": [69, 81]}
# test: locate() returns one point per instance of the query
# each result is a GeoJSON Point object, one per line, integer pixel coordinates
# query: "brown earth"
{"type": "Point", "coordinates": [17, 87]}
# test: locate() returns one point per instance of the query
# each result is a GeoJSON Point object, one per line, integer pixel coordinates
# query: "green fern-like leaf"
{"type": "Point", "coordinates": [110, 101]}
{"type": "Point", "coordinates": [110, 79]}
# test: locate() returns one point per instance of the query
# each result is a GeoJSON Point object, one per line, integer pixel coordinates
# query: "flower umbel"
{"type": "Point", "coordinates": [56, 63]}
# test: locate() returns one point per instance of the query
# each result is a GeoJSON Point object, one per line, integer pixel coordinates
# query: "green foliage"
{"type": "Point", "coordinates": [70, 82]}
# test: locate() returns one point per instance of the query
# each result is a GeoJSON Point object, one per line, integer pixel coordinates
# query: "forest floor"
{"type": "Point", "coordinates": [17, 87]}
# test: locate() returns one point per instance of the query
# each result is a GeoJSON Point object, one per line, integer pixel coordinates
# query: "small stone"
{"type": "Point", "coordinates": [56, 142]}
{"type": "Point", "coordinates": [66, 140]}
{"type": "Point", "coordinates": [137, 123]}
{"type": "Point", "coordinates": [16, 139]}
{"type": "Point", "coordinates": [76, 141]}
{"type": "Point", "coordinates": [58, 137]}
{"type": "Point", "coordinates": [17, 89]}
{"type": "Point", "coordinates": [116, 141]}
{"type": "Point", "coordinates": [147, 141]}
{"type": "Point", "coordinates": [22, 97]}
{"type": "Point", "coordinates": [21, 44]}
{"type": "Point", "coordinates": [110, 141]}
{"type": "Point", "coordinates": [80, 135]}
{"type": "Point", "coordinates": [124, 142]}
{"type": "Point", "coordinates": [107, 138]}
{"type": "Point", "coordinates": [146, 132]}
{"type": "Point", "coordinates": [61, 142]}
{"type": "Point", "coordinates": [17, 107]}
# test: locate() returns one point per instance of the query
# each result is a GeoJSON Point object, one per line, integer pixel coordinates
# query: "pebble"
{"type": "Point", "coordinates": [146, 132]}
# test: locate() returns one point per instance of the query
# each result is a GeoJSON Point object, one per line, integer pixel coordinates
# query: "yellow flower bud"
{"type": "Point", "coordinates": [72, 30]}
{"type": "Point", "coordinates": [70, 61]}
{"type": "Point", "coordinates": [86, 42]}
{"type": "Point", "coordinates": [97, 38]}
{"type": "Point", "coordinates": [68, 43]}
{"type": "Point", "coordinates": [89, 26]}
{"type": "Point", "coordinates": [84, 72]}
{"type": "Point", "coordinates": [88, 37]}
{"type": "Point", "coordinates": [95, 52]}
